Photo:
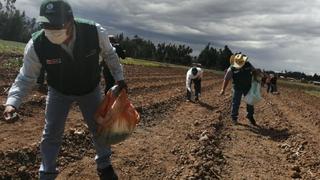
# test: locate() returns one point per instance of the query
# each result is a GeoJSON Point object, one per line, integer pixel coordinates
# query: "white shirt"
{"type": "Point", "coordinates": [30, 69]}
{"type": "Point", "coordinates": [190, 77]}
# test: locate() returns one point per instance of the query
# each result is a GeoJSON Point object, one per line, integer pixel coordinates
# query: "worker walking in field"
{"type": "Point", "coordinates": [263, 79]}
{"type": "Point", "coordinates": [268, 82]}
{"type": "Point", "coordinates": [240, 71]}
{"type": "Point", "coordinates": [194, 75]}
{"type": "Point", "coordinates": [273, 84]}
{"type": "Point", "coordinates": [68, 49]}
{"type": "Point", "coordinates": [108, 78]}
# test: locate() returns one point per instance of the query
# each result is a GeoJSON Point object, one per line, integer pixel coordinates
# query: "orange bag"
{"type": "Point", "coordinates": [116, 117]}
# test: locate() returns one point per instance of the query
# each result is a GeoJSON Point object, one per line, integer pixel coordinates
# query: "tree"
{"type": "Point", "coordinates": [217, 59]}
{"type": "Point", "coordinates": [316, 77]}
{"type": "Point", "coordinates": [146, 49]}
{"type": "Point", "coordinates": [205, 56]}
{"type": "Point", "coordinates": [14, 25]}
{"type": "Point", "coordinates": [224, 61]}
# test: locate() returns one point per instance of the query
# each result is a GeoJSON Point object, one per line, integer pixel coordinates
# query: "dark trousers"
{"type": "Point", "coordinates": [197, 88]}
{"type": "Point", "coordinates": [108, 78]}
{"type": "Point", "coordinates": [236, 100]}
{"type": "Point", "coordinates": [273, 88]}
{"type": "Point", "coordinates": [268, 87]}
{"type": "Point", "coordinates": [57, 108]}
{"type": "Point", "coordinates": [41, 77]}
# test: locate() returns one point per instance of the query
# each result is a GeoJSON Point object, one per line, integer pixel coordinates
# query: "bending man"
{"type": "Point", "coordinates": [68, 49]}
{"type": "Point", "coordinates": [194, 75]}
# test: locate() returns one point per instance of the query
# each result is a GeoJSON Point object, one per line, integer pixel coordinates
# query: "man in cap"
{"type": "Point", "coordinates": [194, 75]}
{"type": "Point", "coordinates": [240, 71]}
{"type": "Point", "coordinates": [108, 78]}
{"type": "Point", "coordinates": [68, 49]}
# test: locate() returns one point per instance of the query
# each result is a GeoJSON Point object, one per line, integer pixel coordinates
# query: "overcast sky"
{"type": "Point", "coordinates": [275, 34]}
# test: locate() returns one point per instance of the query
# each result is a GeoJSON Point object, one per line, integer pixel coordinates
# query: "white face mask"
{"type": "Point", "coordinates": [56, 36]}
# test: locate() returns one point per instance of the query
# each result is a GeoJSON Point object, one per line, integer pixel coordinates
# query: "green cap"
{"type": "Point", "coordinates": [54, 13]}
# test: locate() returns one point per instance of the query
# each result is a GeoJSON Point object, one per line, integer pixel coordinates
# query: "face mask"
{"type": "Point", "coordinates": [56, 36]}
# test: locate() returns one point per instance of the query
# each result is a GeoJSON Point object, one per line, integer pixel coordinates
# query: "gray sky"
{"type": "Point", "coordinates": [277, 35]}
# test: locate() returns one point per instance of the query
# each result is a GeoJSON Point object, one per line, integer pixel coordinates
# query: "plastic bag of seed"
{"type": "Point", "coordinates": [116, 117]}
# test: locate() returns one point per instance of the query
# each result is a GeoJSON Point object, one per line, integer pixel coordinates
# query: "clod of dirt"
{"type": "Point", "coordinates": [296, 168]}
{"type": "Point", "coordinates": [1, 111]}
{"type": "Point", "coordinates": [196, 123]}
{"type": "Point", "coordinates": [295, 175]}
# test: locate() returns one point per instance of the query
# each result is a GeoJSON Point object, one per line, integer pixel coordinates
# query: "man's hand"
{"type": "Point", "coordinates": [122, 85]}
{"type": "Point", "coordinates": [10, 113]}
{"type": "Point", "coordinates": [222, 92]}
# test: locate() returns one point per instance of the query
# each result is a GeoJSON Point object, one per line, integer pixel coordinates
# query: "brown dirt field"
{"type": "Point", "coordinates": [176, 139]}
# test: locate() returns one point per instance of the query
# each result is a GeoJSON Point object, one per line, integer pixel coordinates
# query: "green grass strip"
{"type": "Point", "coordinates": [313, 93]}
{"type": "Point", "coordinates": [11, 47]}
{"type": "Point", "coordinates": [149, 63]}
{"type": "Point", "coordinates": [299, 85]}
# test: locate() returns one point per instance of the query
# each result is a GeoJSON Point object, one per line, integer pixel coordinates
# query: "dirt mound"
{"type": "Point", "coordinates": [24, 163]}
{"type": "Point", "coordinates": [176, 139]}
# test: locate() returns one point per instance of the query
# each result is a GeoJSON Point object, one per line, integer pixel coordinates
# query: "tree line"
{"type": "Point", "coordinates": [209, 57]}
{"type": "Point", "coordinates": [14, 24]}
{"type": "Point", "coordinates": [137, 47]}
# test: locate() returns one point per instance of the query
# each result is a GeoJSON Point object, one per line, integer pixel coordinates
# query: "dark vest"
{"type": "Point", "coordinates": [121, 53]}
{"type": "Point", "coordinates": [242, 77]}
{"type": "Point", "coordinates": [71, 76]}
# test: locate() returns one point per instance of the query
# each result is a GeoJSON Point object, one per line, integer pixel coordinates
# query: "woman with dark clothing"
{"type": "Point", "coordinates": [268, 83]}
{"type": "Point", "coordinates": [273, 84]}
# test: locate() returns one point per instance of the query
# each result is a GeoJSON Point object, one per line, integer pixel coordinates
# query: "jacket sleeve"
{"type": "Point", "coordinates": [188, 81]}
{"type": "Point", "coordinates": [228, 75]}
{"type": "Point", "coordinates": [201, 73]}
{"type": "Point", "coordinates": [109, 55]}
{"type": "Point", "coordinates": [120, 51]}
{"type": "Point", "coordinates": [27, 77]}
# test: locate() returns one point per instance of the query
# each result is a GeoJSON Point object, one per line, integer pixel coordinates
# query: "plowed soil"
{"type": "Point", "coordinates": [175, 139]}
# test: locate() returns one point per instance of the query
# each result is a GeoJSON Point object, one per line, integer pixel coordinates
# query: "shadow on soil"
{"type": "Point", "coordinates": [272, 133]}
{"type": "Point", "coordinates": [207, 106]}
